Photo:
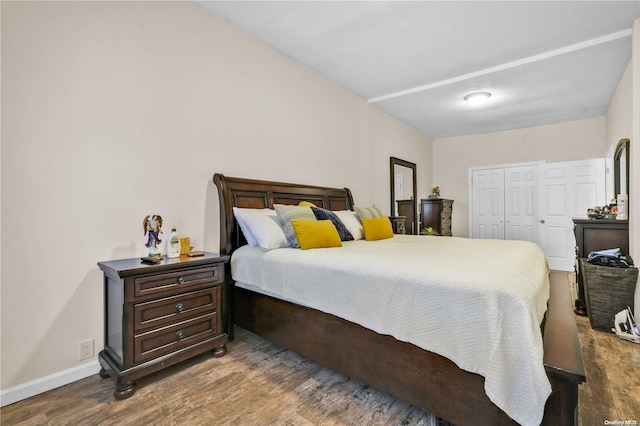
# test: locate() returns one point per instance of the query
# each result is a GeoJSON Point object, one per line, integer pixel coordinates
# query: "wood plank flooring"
{"type": "Point", "coordinates": [612, 390]}
{"type": "Point", "coordinates": [258, 383]}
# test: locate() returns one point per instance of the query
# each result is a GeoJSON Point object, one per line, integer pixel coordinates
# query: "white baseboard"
{"type": "Point", "coordinates": [55, 380]}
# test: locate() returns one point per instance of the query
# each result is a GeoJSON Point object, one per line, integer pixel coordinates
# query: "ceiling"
{"type": "Point", "coordinates": [543, 62]}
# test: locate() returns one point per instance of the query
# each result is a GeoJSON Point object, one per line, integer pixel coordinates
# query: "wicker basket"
{"type": "Point", "coordinates": [607, 291]}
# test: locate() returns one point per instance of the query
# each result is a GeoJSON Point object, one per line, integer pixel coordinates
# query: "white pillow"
{"type": "Point", "coordinates": [351, 222]}
{"type": "Point", "coordinates": [240, 215]}
{"type": "Point", "coordinates": [261, 228]}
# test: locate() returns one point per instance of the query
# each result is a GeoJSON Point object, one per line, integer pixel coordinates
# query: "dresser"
{"type": "Point", "coordinates": [594, 235]}
{"type": "Point", "coordinates": [436, 213]}
{"type": "Point", "coordinates": [158, 315]}
{"type": "Point", "coordinates": [406, 208]}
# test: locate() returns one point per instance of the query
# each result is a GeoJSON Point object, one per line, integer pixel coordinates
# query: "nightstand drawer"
{"type": "Point", "coordinates": [160, 312]}
{"type": "Point", "coordinates": [172, 338]}
{"type": "Point", "coordinates": [187, 280]}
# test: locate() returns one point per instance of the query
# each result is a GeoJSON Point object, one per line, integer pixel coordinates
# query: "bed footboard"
{"type": "Point", "coordinates": [380, 361]}
{"type": "Point", "coordinates": [562, 355]}
{"type": "Point", "coordinates": [438, 386]}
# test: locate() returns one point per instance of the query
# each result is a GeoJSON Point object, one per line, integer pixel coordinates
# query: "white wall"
{"type": "Point", "coordinates": [623, 121]}
{"type": "Point", "coordinates": [619, 119]}
{"type": "Point", "coordinates": [634, 150]}
{"type": "Point", "coordinates": [384, 131]}
{"type": "Point", "coordinates": [116, 110]}
{"type": "Point", "coordinates": [452, 157]}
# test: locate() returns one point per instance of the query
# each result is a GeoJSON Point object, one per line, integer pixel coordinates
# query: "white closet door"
{"type": "Point", "coordinates": [537, 203]}
{"type": "Point", "coordinates": [521, 203]}
{"type": "Point", "coordinates": [568, 190]}
{"type": "Point", "coordinates": [488, 203]}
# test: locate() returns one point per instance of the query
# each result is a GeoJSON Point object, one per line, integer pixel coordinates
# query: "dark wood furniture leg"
{"type": "Point", "coordinates": [124, 391]}
{"type": "Point", "coordinates": [220, 351]}
{"type": "Point", "coordinates": [103, 373]}
{"type": "Point", "coordinates": [580, 305]}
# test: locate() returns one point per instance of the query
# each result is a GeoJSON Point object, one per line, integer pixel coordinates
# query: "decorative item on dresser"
{"type": "Point", "coordinates": [152, 225]}
{"type": "Point", "coordinates": [595, 235]}
{"type": "Point", "coordinates": [158, 315]}
{"type": "Point", "coordinates": [436, 213]}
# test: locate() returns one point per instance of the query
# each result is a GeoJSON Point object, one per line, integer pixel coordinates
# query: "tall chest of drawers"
{"type": "Point", "coordinates": [158, 315]}
{"type": "Point", "coordinates": [436, 213]}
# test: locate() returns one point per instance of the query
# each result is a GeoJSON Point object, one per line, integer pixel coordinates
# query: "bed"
{"type": "Point", "coordinates": [405, 370]}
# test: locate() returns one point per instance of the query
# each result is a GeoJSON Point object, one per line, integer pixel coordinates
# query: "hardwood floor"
{"type": "Point", "coordinates": [612, 390]}
{"type": "Point", "coordinates": [258, 383]}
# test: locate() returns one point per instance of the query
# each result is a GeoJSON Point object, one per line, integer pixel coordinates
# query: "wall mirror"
{"type": "Point", "coordinates": [621, 168]}
{"type": "Point", "coordinates": [404, 193]}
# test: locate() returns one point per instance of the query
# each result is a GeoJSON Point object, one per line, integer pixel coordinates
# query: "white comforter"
{"type": "Point", "coordinates": [478, 303]}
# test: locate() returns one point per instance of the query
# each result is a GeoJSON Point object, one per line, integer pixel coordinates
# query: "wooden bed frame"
{"type": "Point", "coordinates": [409, 373]}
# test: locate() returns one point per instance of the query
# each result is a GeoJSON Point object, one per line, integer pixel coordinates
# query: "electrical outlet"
{"type": "Point", "coordinates": [85, 349]}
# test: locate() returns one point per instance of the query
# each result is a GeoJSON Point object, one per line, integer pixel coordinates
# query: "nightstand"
{"type": "Point", "coordinates": [158, 315]}
{"type": "Point", "coordinates": [397, 223]}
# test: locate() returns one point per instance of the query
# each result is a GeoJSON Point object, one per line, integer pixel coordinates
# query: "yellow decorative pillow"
{"type": "Point", "coordinates": [306, 204]}
{"type": "Point", "coordinates": [316, 234]}
{"type": "Point", "coordinates": [377, 228]}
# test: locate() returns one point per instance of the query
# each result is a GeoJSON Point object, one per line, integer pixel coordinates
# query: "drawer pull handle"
{"type": "Point", "coordinates": [181, 280]}
{"type": "Point", "coordinates": [179, 307]}
{"type": "Point", "coordinates": [179, 335]}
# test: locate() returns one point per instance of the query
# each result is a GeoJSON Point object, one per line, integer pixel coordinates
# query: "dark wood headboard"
{"type": "Point", "coordinates": [259, 194]}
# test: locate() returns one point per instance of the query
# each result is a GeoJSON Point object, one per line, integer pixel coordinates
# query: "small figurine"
{"type": "Point", "coordinates": [153, 226]}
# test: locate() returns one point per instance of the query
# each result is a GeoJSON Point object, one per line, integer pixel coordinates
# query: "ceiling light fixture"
{"type": "Point", "coordinates": [477, 98]}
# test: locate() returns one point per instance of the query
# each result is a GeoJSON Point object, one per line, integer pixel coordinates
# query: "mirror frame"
{"type": "Point", "coordinates": [623, 146]}
{"type": "Point", "coordinates": [393, 161]}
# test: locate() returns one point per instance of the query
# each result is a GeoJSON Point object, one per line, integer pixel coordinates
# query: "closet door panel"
{"type": "Point", "coordinates": [568, 190]}
{"type": "Point", "coordinates": [488, 203]}
{"type": "Point", "coordinates": [521, 203]}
